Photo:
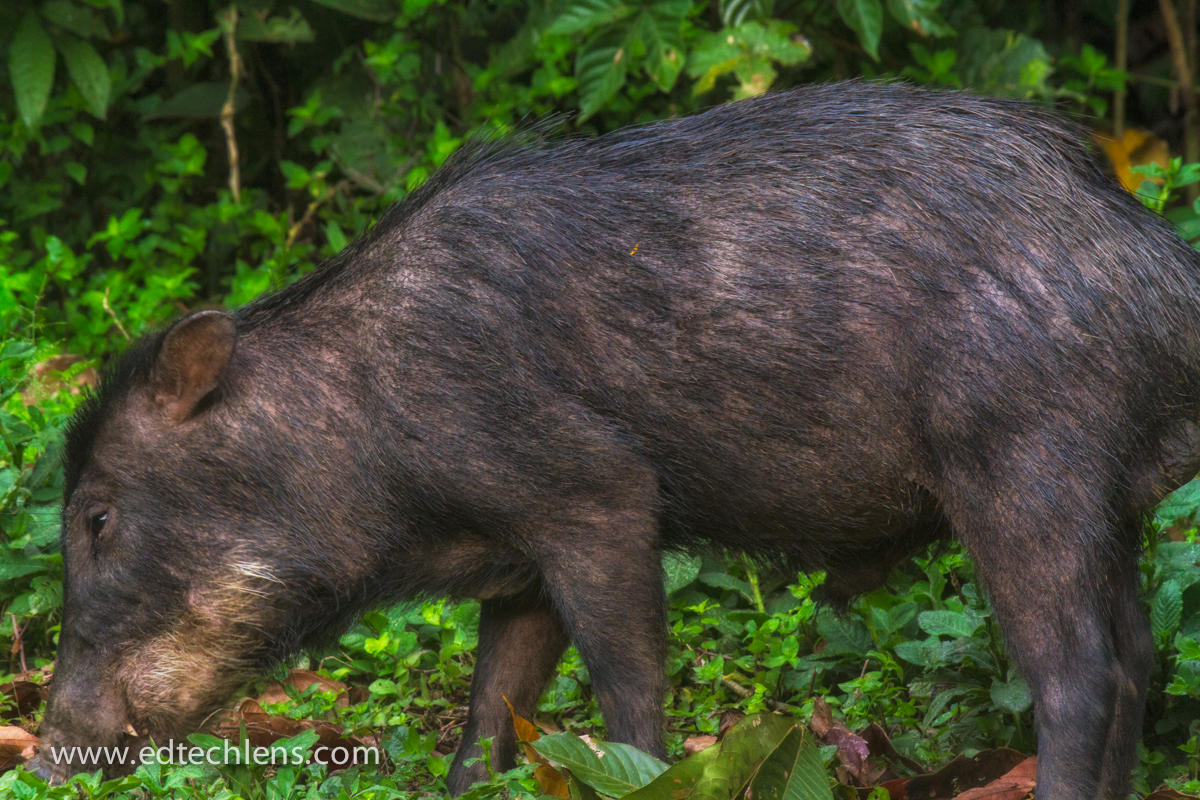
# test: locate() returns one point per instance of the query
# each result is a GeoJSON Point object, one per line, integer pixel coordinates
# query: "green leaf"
{"type": "Point", "coordinates": [680, 570]}
{"type": "Point", "coordinates": [88, 71]}
{"type": "Point", "coordinates": [1182, 502]}
{"type": "Point", "coordinates": [661, 29]}
{"type": "Point", "coordinates": [31, 65]}
{"type": "Point", "coordinates": [12, 568]}
{"type": "Point", "coordinates": [77, 172]}
{"type": "Point", "coordinates": [600, 69]}
{"type": "Point", "coordinates": [749, 51]}
{"type": "Point", "coordinates": [76, 18]}
{"type": "Point", "coordinates": [1013, 697]}
{"type": "Point", "coordinates": [920, 16]}
{"type": "Point", "coordinates": [865, 17]}
{"type": "Point", "coordinates": [619, 771]}
{"type": "Point", "coordinates": [587, 14]}
{"type": "Point", "coordinates": [843, 634]}
{"type": "Point", "coordinates": [679, 778]}
{"type": "Point", "coordinates": [793, 771]}
{"type": "Point", "coordinates": [954, 624]}
{"type": "Point", "coordinates": [1166, 611]}
{"type": "Point", "coordinates": [580, 790]}
{"type": "Point", "coordinates": [745, 745]}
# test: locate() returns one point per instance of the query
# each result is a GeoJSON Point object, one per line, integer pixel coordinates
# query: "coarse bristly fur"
{"type": "Point", "coordinates": [823, 326]}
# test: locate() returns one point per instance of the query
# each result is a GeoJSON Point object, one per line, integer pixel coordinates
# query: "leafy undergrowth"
{"type": "Point", "coordinates": [909, 693]}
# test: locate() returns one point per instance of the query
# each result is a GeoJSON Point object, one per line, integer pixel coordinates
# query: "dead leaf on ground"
{"type": "Point", "coordinates": [729, 718]}
{"type": "Point", "coordinates": [550, 780]}
{"type": "Point", "coordinates": [17, 745]}
{"type": "Point", "coordinates": [264, 730]}
{"type": "Point", "coordinates": [964, 773]}
{"type": "Point", "coordinates": [880, 744]}
{"type": "Point", "coordinates": [1015, 784]}
{"type": "Point", "coordinates": [300, 680]}
{"type": "Point", "coordinates": [1166, 793]}
{"type": "Point", "coordinates": [696, 744]}
{"type": "Point", "coordinates": [856, 768]}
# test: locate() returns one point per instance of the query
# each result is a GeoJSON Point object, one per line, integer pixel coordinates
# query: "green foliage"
{"type": "Point", "coordinates": [118, 213]}
{"type": "Point", "coordinates": [765, 755]}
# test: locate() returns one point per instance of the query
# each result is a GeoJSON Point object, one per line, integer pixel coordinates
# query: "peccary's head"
{"type": "Point", "coordinates": [185, 503]}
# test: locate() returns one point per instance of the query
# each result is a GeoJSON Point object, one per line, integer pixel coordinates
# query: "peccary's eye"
{"type": "Point", "coordinates": [97, 520]}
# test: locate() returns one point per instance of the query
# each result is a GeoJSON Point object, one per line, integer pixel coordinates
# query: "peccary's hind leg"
{"type": "Point", "coordinates": [1043, 545]}
{"type": "Point", "coordinates": [1135, 657]}
{"type": "Point", "coordinates": [520, 642]}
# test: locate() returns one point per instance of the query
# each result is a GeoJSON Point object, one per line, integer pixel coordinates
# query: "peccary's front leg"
{"type": "Point", "coordinates": [606, 582]}
{"type": "Point", "coordinates": [520, 642]}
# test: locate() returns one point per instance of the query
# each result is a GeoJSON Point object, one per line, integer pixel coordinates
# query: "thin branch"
{"type": "Point", "coordinates": [114, 316]}
{"type": "Point", "coordinates": [1121, 62]}
{"type": "Point", "coordinates": [229, 23]}
{"type": "Point", "coordinates": [1183, 71]}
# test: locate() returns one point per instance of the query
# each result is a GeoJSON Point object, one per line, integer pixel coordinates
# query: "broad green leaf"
{"type": "Point", "coordinates": [920, 16]}
{"type": "Point", "coordinates": [11, 567]}
{"type": "Point", "coordinates": [1166, 611]}
{"type": "Point", "coordinates": [1013, 697]}
{"type": "Point", "coordinates": [580, 790]}
{"type": "Point", "coordinates": [750, 51]}
{"type": "Point", "coordinates": [1003, 62]}
{"type": "Point", "coordinates": [865, 17]}
{"type": "Point", "coordinates": [843, 634]}
{"type": "Point", "coordinates": [661, 29]}
{"type": "Point", "coordinates": [374, 10]}
{"type": "Point", "coordinates": [88, 72]}
{"type": "Point", "coordinates": [600, 69]}
{"type": "Point", "coordinates": [744, 747]}
{"type": "Point", "coordinates": [680, 570]}
{"type": "Point", "coordinates": [31, 65]}
{"type": "Point", "coordinates": [1182, 502]}
{"type": "Point", "coordinates": [619, 771]}
{"type": "Point", "coordinates": [679, 778]}
{"type": "Point", "coordinates": [793, 771]}
{"type": "Point", "coordinates": [580, 15]}
{"type": "Point", "coordinates": [76, 18]}
{"type": "Point", "coordinates": [954, 624]}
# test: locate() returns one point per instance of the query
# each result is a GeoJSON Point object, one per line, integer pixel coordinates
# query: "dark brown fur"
{"type": "Point", "coordinates": [823, 326]}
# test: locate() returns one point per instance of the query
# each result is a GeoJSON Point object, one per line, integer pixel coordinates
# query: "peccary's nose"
{"type": "Point", "coordinates": [38, 766]}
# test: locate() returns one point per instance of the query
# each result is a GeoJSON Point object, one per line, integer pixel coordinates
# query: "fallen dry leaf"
{"type": "Point", "coordinates": [880, 744]}
{"type": "Point", "coordinates": [856, 768]}
{"type": "Point", "coordinates": [263, 730]}
{"type": "Point", "coordinates": [300, 680]}
{"type": "Point", "coordinates": [550, 780]}
{"type": "Point", "coordinates": [695, 744]}
{"type": "Point", "coordinates": [1165, 793]}
{"type": "Point", "coordinates": [17, 745]}
{"type": "Point", "coordinates": [1015, 784]}
{"type": "Point", "coordinates": [965, 773]}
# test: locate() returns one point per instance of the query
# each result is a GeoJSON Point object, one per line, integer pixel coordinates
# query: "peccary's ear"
{"type": "Point", "coordinates": [194, 354]}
